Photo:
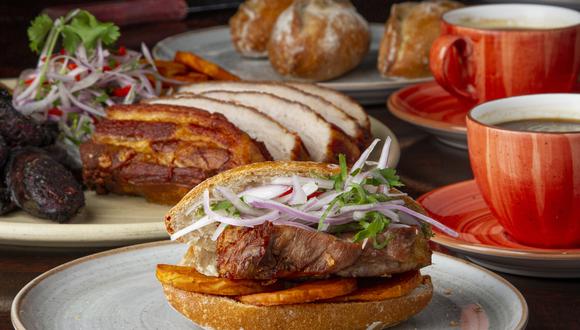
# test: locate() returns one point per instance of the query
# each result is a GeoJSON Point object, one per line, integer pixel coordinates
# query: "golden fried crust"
{"type": "Point", "coordinates": [409, 32]}
{"type": "Point", "coordinates": [251, 26]}
{"type": "Point", "coordinates": [215, 312]}
{"type": "Point", "coordinates": [318, 40]}
{"type": "Point", "coordinates": [162, 151]}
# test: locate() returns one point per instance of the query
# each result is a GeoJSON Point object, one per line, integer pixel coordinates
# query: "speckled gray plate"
{"type": "Point", "coordinates": [364, 83]}
{"type": "Point", "coordinates": [117, 289]}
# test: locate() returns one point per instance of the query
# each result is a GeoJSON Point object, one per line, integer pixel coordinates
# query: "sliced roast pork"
{"type": "Point", "coordinates": [343, 102]}
{"type": "Point", "coordinates": [268, 251]}
{"type": "Point", "coordinates": [280, 142]}
{"type": "Point", "coordinates": [327, 110]}
{"type": "Point", "coordinates": [322, 140]}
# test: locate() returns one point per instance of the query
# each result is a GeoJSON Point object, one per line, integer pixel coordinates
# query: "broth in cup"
{"type": "Point", "coordinates": [530, 178]}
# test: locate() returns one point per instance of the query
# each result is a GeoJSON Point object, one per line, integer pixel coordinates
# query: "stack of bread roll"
{"type": "Point", "coordinates": [306, 39]}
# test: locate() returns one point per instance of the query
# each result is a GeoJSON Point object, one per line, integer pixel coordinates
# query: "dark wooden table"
{"type": "Point", "coordinates": [424, 165]}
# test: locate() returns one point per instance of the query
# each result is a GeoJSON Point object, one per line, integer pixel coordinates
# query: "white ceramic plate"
{"type": "Point", "coordinates": [364, 83]}
{"type": "Point", "coordinates": [117, 289]}
{"type": "Point", "coordinates": [106, 220]}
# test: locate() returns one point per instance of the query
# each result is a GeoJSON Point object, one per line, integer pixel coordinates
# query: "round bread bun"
{"type": "Point", "coordinates": [217, 312]}
{"type": "Point", "coordinates": [251, 26]}
{"type": "Point", "coordinates": [318, 40]}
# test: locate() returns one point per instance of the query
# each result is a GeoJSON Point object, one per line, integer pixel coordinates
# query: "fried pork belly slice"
{"type": "Point", "coordinates": [322, 140]}
{"type": "Point", "coordinates": [280, 142]}
{"type": "Point", "coordinates": [325, 109]}
{"type": "Point", "coordinates": [268, 251]}
{"type": "Point", "coordinates": [127, 126]}
{"type": "Point", "coordinates": [124, 171]}
{"type": "Point", "coordinates": [161, 160]}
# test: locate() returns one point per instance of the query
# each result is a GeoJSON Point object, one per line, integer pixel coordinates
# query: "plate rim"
{"type": "Point", "coordinates": [396, 109]}
{"type": "Point", "coordinates": [18, 299]}
{"type": "Point", "coordinates": [339, 86]}
{"type": "Point", "coordinates": [493, 251]}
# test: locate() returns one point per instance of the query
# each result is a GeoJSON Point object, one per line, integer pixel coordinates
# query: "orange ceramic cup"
{"type": "Point", "coordinates": [494, 51]}
{"type": "Point", "coordinates": [530, 180]}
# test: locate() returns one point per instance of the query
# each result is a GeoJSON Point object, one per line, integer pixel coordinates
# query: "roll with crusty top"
{"type": "Point", "coordinates": [251, 26]}
{"type": "Point", "coordinates": [318, 40]}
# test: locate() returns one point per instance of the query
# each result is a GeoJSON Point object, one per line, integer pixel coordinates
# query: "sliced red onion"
{"type": "Point", "coordinates": [427, 219]}
{"type": "Point", "coordinates": [235, 200]}
{"type": "Point", "coordinates": [298, 195]}
{"type": "Point", "coordinates": [44, 103]}
{"type": "Point", "coordinates": [384, 154]}
{"type": "Point", "coordinates": [322, 183]}
{"type": "Point", "coordinates": [194, 226]}
{"type": "Point", "coordinates": [265, 192]}
{"type": "Point", "coordinates": [220, 229]}
{"type": "Point", "coordinates": [148, 56]}
{"type": "Point", "coordinates": [363, 157]}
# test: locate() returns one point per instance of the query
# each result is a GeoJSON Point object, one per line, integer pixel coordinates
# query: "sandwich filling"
{"type": "Point", "coordinates": [352, 224]}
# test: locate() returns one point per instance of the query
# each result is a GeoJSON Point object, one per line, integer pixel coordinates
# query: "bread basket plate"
{"type": "Point", "coordinates": [117, 289]}
{"type": "Point", "coordinates": [483, 240]}
{"type": "Point", "coordinates": [112, 220]}
{"type": "Point", "coordinates": [364, 83]}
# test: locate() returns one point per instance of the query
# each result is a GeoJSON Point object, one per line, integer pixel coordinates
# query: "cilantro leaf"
{"type": "Point", "coordinates": [85, 28]}
{"type": "Point", "coordinates": [390, 174]}
{"type": "Point", "coordinates": [37, 32]}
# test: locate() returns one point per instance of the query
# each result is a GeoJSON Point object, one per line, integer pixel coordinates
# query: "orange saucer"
{"type": "Point", "coordinates": [432, 108]}
{"type": "Point", "coordinates": [483, 240]}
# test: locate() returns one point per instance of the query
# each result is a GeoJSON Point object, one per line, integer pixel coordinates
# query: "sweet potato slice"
{"type": "Point", "coordinates": [387, 288]}
{"type": "Point", "coordinates": [191, 77]}
{"type": "Point", "coordinates": [189, 279]}
{"type": "Point", "coordinates": [198, 64]}
{"type": "Point", "coordinates": [170, 68]}
{"type": "Point", "coordinates": [302, 293]}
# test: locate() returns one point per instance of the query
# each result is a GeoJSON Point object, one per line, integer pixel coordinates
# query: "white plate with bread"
{"type": "Point", "coordinates": [364, 83]}
{"type": "Point", "coordinates": [117, 289]}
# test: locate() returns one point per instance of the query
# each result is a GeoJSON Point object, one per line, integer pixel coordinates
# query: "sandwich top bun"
{"type": "Point", "coordinates": [318, 39]}
{"type": "Point", "coordinates": [202, 252]}
{"type": "Point", "coordinates": [216, 312]}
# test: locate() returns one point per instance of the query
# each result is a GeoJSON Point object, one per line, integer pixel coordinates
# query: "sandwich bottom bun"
{"type": "Point", "coordinates": [217, 312]}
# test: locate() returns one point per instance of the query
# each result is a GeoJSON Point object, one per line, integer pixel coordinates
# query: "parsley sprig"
{"type": "Point", "coordinates": [373, 223]}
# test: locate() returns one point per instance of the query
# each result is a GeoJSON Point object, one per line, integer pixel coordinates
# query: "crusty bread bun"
{"type": "Point", "coordinates": [409, 33]}
{"type": "Point", "coordinates": [318, 39]}
{"type": "Point", "coordinates": [215, 312]}
{"type": "Point", "coordinates": [202, 252]}
{"type": "Point", "coordinates": [251, 26]}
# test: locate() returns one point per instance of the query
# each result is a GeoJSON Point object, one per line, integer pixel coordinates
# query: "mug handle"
{"type": "Point", "coordinates": [443, 68]}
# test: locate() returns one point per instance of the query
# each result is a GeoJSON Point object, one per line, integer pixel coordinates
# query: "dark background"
{"type": "Point", "coordinates": [15, 16]}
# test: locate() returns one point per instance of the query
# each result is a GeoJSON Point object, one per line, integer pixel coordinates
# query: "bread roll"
{"type": "Point", "coordinates": [409, 34]}
{"type": "Point", "coordinates": [215, 312]}
{"type": "Point", "coordinates": [251, 26]}
{"type": "Point", "coordinates": [318, 40]}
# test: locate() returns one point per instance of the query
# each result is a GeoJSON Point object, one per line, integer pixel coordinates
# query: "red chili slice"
{"type": "Point", "coordinates": [122, 91]}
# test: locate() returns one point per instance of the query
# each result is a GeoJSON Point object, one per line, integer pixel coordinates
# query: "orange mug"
{"type": "Point", "coordinates": [529, 179]}
{"type": "Point", "coordinates": [494, 51]}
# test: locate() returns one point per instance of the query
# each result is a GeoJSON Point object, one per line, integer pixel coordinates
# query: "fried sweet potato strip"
{"type": "Point", "coordinates": [397, 286]}
{"type": "Point", "coordinates": [302, 293]}
{"type": "Point", "coordinates": [200, 65]}
{"type": "Point", "coordinates": [189, 279]}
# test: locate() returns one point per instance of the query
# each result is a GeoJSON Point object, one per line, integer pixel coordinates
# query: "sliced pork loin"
{"type": "Point", "coordinates": [344, 102]}
{"type": "Point", "coordinates": [322, 140]}
{"type": "Point", "coordinates": [327, 110]}
{"type": "Point", "coordinates": [280, 142]}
